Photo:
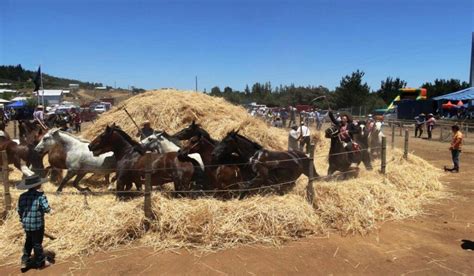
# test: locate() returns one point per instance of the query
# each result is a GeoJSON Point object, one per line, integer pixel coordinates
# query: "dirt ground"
{"type": "Point", "coordinates": [430, 244]}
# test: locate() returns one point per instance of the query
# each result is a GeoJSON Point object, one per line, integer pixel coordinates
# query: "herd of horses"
{"type": "Point", "coordinates": [191, 159]}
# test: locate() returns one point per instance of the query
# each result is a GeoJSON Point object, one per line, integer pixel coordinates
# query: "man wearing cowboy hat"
{"type": "Point", "coordinates": [419, 122]}
{"type": "Point", "coordinates": [38, 115]}
{"type": "Point", "coordinates": [32, 205]}
{"type": "Point", "coordinates": [430, 123]}
{"type": "Point", "coordinates": [146, 130]}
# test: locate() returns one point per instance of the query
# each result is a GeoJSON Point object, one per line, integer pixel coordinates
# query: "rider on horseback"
{"type": "Point", "coordinates": [346, 130]}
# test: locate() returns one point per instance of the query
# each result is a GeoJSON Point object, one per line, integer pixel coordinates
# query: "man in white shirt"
{"type": "Point", "coordinates": [38, 115]}
{"type": "Point", "coordinates": [293, 138]}
{"type": "Point", "coordinates": [304, 137]}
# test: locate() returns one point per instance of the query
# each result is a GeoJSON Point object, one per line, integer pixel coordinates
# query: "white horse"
{"type": "Point", "coordinates": [79, 159]}
{"type": "Point", "coordinates": [163, 143]}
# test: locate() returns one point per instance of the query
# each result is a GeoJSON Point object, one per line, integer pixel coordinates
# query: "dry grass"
{"type": "Point", "coordinates": [351, 206]}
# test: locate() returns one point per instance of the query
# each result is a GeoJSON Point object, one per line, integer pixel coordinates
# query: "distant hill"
{"type": "Point", "coordinates": [23, 79]}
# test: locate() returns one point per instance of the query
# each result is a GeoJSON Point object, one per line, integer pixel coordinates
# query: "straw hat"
{"type": "Point", "coordinates": [147, 122]}
{"type": "Point", "coordinates": [40, 106]}
{"type": "Point", "coordinates": [30, 182]}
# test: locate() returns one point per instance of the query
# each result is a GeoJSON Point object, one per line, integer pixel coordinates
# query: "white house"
{"type": "Point", "coordinates": [52, 96]}
{"type": "Point", "coordinates": [7, 91]}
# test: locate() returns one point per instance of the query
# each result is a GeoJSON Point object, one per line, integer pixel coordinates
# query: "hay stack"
{"type": "Point", "coordinates": [352, 206]}
{"type": "Point", "coordinates": [173, 110]}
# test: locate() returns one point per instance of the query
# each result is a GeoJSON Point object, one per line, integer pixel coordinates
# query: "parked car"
{"type": "Point", "coordinates": [100, 108]}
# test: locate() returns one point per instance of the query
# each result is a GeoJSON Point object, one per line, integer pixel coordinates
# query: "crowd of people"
{"type": "Point", "coordinates": [68, 121]}
{"type": "Point", "coordinates": [286, 117]}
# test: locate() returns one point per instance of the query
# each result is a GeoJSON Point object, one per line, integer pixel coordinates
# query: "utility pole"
{"type": "Point", "coordinates": [196, 79]}
{"type": "Point", "coordinates": [471, 73]}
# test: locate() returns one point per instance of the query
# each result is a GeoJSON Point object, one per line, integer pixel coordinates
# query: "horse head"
{"type": "Point", "coordinates": [192, 130]}
{"type": "Point", "coordinates": [332, 132]}
{"type": "Point", "coordinates": [234, 147]}
{"type": "Point", "coordinates": [47, 141]}
{"type": "Point", "coordinates": [103, 142]}
{"type": "Point", "coordinates": [193, 145]}
{"type": "Point", "coordinates": [226, 148]}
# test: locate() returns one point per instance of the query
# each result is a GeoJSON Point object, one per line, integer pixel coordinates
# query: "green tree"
{"type": "Point", "coordinates": [389, 88]}
{"type": "Point", "coordinates": [444, 86]}
{"type": "Point", "coordinates": [351, 90]}
{"type": "Point", "coordinates": [216, 91]}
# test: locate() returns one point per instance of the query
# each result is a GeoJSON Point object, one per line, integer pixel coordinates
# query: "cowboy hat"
{"type": "Point", "coordinates": [39, 106]}
{"type": "Point", "coordinates": [30, 182]}
{"type": "Point", "coordinates": [147, 122]}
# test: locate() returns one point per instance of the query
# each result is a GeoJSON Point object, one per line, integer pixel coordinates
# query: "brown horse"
{"type": "Point", "coordinates": [221, 177]}
{"type": "Point", "coordinates": [131, 162]}
{"type": "Point", "coordinates": [270, 170]}
{"type": "Point", "coordinates": [30, 134]}
{"type": "Point", "coordinates": [16, 153]}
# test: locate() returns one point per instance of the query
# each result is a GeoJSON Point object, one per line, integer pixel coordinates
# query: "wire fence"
{"type": "Point", "coordinates": [243, 186]}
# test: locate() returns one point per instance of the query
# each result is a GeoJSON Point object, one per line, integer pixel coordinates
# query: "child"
{"type": "Point", "coordinates": [31, 207]}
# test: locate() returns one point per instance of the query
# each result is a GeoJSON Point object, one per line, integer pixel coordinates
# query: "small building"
{"type": "Point", "coordinates": [3, 91]}
{"type": "Point", "coordinates": [51, 96]}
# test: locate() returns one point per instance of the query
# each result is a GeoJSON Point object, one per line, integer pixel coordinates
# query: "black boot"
{"type": "Point", "coordinates": [448, 169]}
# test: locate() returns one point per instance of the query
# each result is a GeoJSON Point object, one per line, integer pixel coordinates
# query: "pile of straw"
{"type": "Point", "coordinates": [84, 226]}
{"type": "Point", "coordinates": [172, 110]}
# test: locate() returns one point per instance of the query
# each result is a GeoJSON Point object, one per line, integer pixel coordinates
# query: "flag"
{"type": "Point", "coordinates": [37, 79]}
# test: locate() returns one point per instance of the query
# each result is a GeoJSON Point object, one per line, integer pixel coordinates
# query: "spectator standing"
{"type": "Point", "coordinates": [293, 138]}
{"type": "Point", "coordinates": [419, 122]}
{"type": "Point", "coordinates": [455, 148]}
{"type": "Point", "coordinates": [304, 136]}
{"type": "Point", "coordinates": [292, 116]}
{"type": "Point", "coordinates": [430, 123]}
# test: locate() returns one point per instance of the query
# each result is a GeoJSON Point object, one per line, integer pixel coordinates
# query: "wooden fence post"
{"type": "Point", "coordinates": [393, 137]}
{"type": "Point", "coordinates": [466, 131]}
{"type": "Point", "coordinates": [441, 133]}
{"type": "Point", "coordinates": [309, 187]}
{"type": "Point", "coordinates": [383, 155]}
{"type": "Point", "coordinates": [147, 203]}
{"type": "Point", "coordinates": [405, 150]}
{"type": "Point", "coordinates": [14, 129]}
{"type": "Point", "coordinates": [401, 128]}
{"type": "Point", "coordinates": [7, 199]}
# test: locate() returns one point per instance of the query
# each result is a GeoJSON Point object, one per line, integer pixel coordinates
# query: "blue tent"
{"type": "Point", "coordinates": [465, 94]}
{"type": "Point", "coordinates": [18, 104]}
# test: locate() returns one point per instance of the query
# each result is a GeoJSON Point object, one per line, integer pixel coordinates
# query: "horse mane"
{"type": "Point", "coordinates": [204, 133]}
{"type": "Point", "coordinates": [255, 144]}
{"type": "Point", "coordinates": [137, 146]}
{"type": "Point", "coordinates": [171, 138]}
{"type": "Point", "coordinates": [71, 135]}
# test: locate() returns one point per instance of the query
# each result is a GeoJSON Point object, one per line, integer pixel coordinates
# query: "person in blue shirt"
{"type": "Point", "coordinates": [32, 205]}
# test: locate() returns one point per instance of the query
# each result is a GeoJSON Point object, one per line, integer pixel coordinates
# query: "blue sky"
{"type": "Point", "coordinates": [153, 44]}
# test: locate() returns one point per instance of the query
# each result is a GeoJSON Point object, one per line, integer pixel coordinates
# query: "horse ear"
{"type": "Point", "coordinates": [237, 132]}
{"type": "Point", "coordinates": [193, 123]}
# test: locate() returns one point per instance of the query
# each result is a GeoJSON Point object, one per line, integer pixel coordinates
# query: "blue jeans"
{"type": "Point", "coordinates": [34, 241]}
{"type": "Point", "coordinates": [455, 155]}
